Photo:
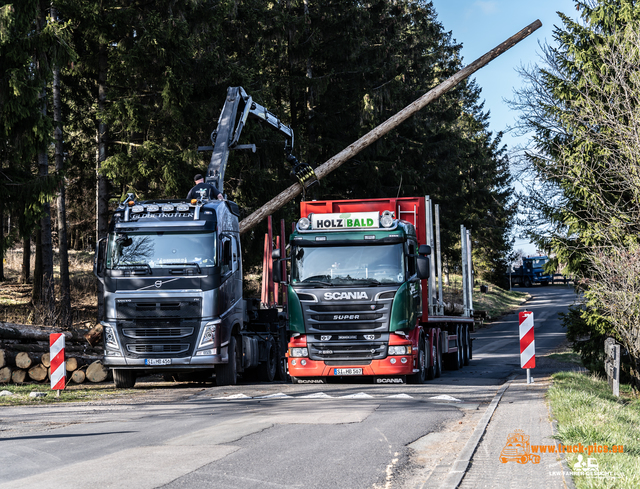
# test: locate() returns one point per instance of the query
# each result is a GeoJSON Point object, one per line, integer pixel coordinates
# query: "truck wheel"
{"type": "Point", "coordinates": [438, 359]}
{"type": "Point", "coordinates": [527, 282]}
{"type": "Point", "coordinates": [267, 371]}
{"type": "Point", "coordinates": [431, 359]}
{"type": "Point", "coordinates": [466, 350]}
{"type": "Point", "coordinates": [124, 379]}
{"type": "Point", "coordinates": [419, 377]}
{"type": "Point", "coordinates": [226, 374]}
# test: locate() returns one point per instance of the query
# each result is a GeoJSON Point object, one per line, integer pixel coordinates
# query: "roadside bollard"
{"type": "Point", "coordinates": [527, 343]}
{"type": "Point", "coordinates": [58, 367]}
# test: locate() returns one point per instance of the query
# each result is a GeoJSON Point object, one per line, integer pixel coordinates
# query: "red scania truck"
{"type": "Point", "coordinates": [362, 295]}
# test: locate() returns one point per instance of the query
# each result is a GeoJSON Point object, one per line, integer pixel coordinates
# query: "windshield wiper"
{"type": "Point", "coordinates": [188, 264]}
{"type": "Point", "coordinates": [317, 279]}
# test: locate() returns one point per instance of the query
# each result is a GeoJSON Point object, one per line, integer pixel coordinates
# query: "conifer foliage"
{"type": "Point", "coordinates": [142, 84]}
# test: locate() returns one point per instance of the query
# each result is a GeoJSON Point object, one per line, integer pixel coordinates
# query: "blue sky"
{"type": "Point", "coordinates": [480, 25]}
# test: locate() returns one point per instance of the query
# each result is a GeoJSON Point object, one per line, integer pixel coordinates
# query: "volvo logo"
{"type": "Point", "coordinates": [158, 284]}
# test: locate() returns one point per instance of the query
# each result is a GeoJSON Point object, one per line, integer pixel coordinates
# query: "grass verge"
{"type": "Point", "coordinates": [497, 301]}
{"type": "Point", "coordinates": [588, 413]}
{"type": "Point", "coordinates": [20, 394]}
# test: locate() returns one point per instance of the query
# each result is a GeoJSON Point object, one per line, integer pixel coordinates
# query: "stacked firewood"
{"type": "Point", "coordinates": [24, 356]}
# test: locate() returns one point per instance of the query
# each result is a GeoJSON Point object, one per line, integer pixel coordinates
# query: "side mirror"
{"type": "Point", "coordinates": [98, 262]}
{"type": "Point", "coordinates": [277, 269]}
{"type": "Point", "coordinates": [424, 250]}
{"type": "Point", "coordinates": [422, 264]}
{"type": "Point", "coordinates": [275, 254]}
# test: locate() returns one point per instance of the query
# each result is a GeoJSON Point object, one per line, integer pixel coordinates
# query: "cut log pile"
{"type": "Point", "coordinates": [24, 356]}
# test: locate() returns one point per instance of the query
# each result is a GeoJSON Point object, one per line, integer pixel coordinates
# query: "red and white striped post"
{"type": "Point", "coordinates": [58, 367]}
{"type": "Point", "coordinates": [527, 343]}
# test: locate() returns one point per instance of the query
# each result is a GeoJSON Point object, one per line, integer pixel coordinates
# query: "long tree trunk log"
{"type": "Point", "coordinates": [46, 359]}
{"type": "Point", "coordinates": [376, 133]}
{"type": "Point", "coordinates": [18, 376]}
{"type": "Point", "coordinates": [96, 372]}
{"type": "Point", "coordinates": [26, 360]}
{"type": "Point", "coordinates": [12, 331]}
{"type": "Point", "coordinates": [5, 375]}
{"type": "Point", "coordinates": [38, 373]}
{"type": "Point", "coordinates": [6, 358]}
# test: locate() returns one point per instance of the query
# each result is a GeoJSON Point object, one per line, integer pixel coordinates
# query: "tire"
{"type": "Point", "coordinates": [227, 373]}
{"type": "Point", "coordinates": [438, 359]}
{"type": "Point", "coordinates": [420, 376]}
{"type": "Point", "coordinates": [294, 380]}
{"type": "Point", "coordinates": [267, 371]}
{"type": "Point", "coordinates": [431, 359]}
{"type": "Point", "coordinates": [283, 362]}
{"type": "Point", "coordinates": [527, 282]}
{"type": "Point", "coordinates": [467, 345]}
{"type": "Point", "coordinates": [124, 379]}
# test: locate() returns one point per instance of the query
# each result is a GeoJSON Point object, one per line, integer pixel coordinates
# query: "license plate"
{"type": "Point", "coordinates": [157, 361]}
{"type": "Point", "coordinates": [347, 371]}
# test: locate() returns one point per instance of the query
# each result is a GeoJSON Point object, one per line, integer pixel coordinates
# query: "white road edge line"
{"type": "Point", "coordinates": [459, 467]}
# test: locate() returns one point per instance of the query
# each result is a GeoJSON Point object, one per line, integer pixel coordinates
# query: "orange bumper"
{"type": "Point", "coordinates": [304, 367]}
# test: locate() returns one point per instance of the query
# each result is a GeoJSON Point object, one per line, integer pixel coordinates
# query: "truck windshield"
{"type": "Point", "coordinates": [348, 265]}
{"type": "Point", "coordinates": [161, 249]}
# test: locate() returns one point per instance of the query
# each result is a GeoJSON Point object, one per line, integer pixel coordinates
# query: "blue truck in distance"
{"type": "Point", "coordinates": [531, 272]}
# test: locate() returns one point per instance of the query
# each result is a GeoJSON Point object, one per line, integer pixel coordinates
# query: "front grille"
{"type": "Point", "coordinates": [158, 308]}
{"type": "Point", "coordinates": [351, 351]}
{"type": "Point", "coordinates": [157, 349]}
{"type": "Point", "coordinates": [347, 317]}
{"type": "Point", "coordinates": [346, 363]}
{"type": "Point", "coordinates": [157, 332]}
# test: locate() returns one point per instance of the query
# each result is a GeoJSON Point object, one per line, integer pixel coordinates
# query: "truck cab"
{"type": "Point", "coordinates": [172, 277]}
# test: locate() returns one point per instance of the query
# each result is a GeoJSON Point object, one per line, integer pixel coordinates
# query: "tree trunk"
{"type": "Point", "coordinates": [2, 244]}
{"type": "Point", "coordinates": [18, 376]}
{"type": "Point", "coordinates": [102, 197]}
{"type": "Point", "coordinates": [96, 372]}
{"type": "Point", "coordinates": [48, 292]}
{"type": "Point", "coordinates": [26, 360]}
{"type": "Point", "coordinates": [94, 336]}
{"type": "Point", "coordinates": [11, 331]}
{"type": "Point", "coordinates": [38, 372]}
{"type": "Point", "coordinates": [46, 359]}
{"type": "Point", "coordinates": [74, 363]}
{"type": "Point", "coordinates": [5, 375]}
{"type": "Point", "coordinates": [78, 376]}
{"type": "Point", "coordinates": [63, 250]}
{"type": "Point", "coordinates": [36, 293]}
{"type": "Point", "coordinates": [26, 260]}
{"type": "Point", "coordinates": [6, 358]}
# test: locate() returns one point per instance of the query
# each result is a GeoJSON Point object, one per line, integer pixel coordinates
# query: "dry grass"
{"type": "Point", "coordinates": [15, 297]}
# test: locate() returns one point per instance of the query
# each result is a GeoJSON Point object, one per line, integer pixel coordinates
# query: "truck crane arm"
{"type": "Point", "coordinates": [238, 107]}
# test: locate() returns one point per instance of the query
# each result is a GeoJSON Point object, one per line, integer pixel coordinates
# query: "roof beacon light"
{"type": "Point", "coordinates": [304, 224]}
{"type": "Point", "coordinates": [386, 220]}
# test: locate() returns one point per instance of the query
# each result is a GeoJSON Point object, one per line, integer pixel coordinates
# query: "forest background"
{"type": "Point", "coordinates": [101, 98]}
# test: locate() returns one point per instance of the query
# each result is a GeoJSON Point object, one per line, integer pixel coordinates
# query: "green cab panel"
{"type": "Point", "coordinates": [296, 318]}
{"type": "Point", "coordinates": [405, 306]}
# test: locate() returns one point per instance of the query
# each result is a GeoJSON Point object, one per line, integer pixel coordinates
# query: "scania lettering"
{"type": "Point", "coordinates": [358, 293]}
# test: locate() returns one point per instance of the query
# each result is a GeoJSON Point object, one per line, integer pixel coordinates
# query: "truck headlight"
{"type": "Point", "coordinates": [110, 337]}
{"type": "Point", "coordinates": [298, 352]}
{"type": "Point", "coordinates": [386, 219]}
{"type": "Point", "coordinates": [400, 350]}
{"type": "Point", "coordinates": [208, 334]}
{"type": "Point", "coordinates": [304, 224]}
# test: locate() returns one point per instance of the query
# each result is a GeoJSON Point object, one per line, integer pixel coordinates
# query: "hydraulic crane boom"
{"type": "Point", "coordinates": [238, 107]}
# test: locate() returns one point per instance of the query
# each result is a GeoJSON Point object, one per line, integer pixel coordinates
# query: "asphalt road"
{"type": "Point", "coordinates": [352, 435]}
